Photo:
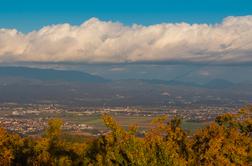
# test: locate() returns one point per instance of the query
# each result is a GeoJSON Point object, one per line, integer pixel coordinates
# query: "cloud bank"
{"type": "Point", "coordinates": [97, 41]}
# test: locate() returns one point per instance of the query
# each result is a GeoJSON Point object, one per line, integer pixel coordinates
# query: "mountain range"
{"type": "Point", "coordinates": [34, 85]}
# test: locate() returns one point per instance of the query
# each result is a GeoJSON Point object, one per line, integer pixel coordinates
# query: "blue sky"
{"type": "Point", "coordinates": [28, 15]}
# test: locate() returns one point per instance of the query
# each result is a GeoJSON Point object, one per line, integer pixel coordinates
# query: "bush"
{"type": "Point", "coordinates": [227, 141]}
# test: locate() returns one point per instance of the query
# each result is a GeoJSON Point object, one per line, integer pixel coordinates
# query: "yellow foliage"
{"type": "Point", "coordinates": [227, 141]}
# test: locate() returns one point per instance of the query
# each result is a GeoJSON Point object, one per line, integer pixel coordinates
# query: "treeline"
{"type": "Point", "coordinates": [227, 141]}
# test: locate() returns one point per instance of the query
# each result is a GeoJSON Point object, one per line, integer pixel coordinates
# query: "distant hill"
{"type": "Point", "coordinates": [167, 82]}
{"type": "Point", "coordinates": [49, 74]}
{"type": "Point", "coordinates": [213, 84]}
{"type": "Point", "coordinates": [32, 85]}
{"type": "Point", "coordinates": [218, 83]}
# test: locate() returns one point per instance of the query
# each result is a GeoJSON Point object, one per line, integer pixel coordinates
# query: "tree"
{"type": "Point", "coordinates": [227, 141]}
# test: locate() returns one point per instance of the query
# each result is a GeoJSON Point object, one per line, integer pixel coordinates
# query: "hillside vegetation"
{"type": "Point", "coordinates": [227, 141]}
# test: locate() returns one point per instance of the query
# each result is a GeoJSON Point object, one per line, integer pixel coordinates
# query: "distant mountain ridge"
{"type": "Point", "coordinates": [33, 85]}
{"type": "Point", "coordinates": [49, 74]}
{"type": "Point", "coordinates": [213, 84]}
{"type": "Point", "coordinates": [77, 76]}
{"type": "Point", "coordinates": [219, 83]}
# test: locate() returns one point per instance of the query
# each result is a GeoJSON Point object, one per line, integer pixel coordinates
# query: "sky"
{"type": "Point", "coordinates": [125, 39]}
{"type": "Point", "coordinates": [28, 15]}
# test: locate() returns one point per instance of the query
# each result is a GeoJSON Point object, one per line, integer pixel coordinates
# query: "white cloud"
{"type": "Point", "coordinates": [97, 41]}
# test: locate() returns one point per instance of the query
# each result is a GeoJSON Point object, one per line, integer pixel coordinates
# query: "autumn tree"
{"type": "Point", "coordinates": [226, 141]}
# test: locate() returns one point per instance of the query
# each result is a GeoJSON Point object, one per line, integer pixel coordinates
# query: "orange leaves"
{"type": "Point", "coordinates": [228, 141]}
{"type": "Point", "coordinates": [222, 143]}
{"type": "Point", "coordinates": [54, 129]}
{"type": "Point", "coordinates": [225, 143]}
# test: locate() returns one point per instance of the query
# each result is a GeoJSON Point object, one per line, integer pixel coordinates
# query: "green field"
{"type": "Point", "coordinates": [143, 122]}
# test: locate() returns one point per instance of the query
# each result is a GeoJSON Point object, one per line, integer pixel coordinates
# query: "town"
{"type": "Point", "coordinates": [31, 119]}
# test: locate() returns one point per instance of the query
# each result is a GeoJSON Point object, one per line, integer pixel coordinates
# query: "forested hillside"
{"type": "Point", "coordinates": [227, 141]}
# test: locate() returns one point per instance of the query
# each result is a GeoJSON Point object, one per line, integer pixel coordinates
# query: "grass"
{"type": "Point", "coordinates": [142, 122]}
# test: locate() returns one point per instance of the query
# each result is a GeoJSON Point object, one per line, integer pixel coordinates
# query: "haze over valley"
{"type": "Point", "coordinates": [32, 85]}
